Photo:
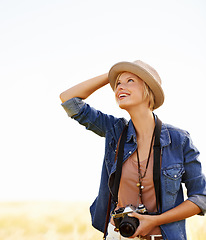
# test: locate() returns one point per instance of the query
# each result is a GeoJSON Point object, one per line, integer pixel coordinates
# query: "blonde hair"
{"type": "Point", "coordinates": [148, 94]}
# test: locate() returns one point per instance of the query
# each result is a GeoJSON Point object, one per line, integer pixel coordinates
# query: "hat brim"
{"type": "Point", "coordinates": [142, 73]}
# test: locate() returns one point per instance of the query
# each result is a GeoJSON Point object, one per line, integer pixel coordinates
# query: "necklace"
{"type": "Point", "coordinates": [141, 176]}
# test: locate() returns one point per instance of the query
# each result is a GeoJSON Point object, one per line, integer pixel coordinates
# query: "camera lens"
{"type": "Point", "coordinates": [128, 226]}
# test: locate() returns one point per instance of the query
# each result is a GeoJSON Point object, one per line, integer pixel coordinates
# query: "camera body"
{"type": "Point", "coordinates": [127, 225]}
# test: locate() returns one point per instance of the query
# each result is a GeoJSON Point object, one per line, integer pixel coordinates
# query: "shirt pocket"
{"type": "Point", "coordinates": [173, 177]}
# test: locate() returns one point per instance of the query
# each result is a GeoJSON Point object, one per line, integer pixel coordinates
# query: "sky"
{"type": "Point", "coordinates": [49, 46]}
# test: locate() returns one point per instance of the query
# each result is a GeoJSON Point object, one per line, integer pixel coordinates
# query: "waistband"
{"type": "Point", "coordinates": [151, 237]}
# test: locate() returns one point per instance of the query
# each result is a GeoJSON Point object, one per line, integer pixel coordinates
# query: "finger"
{"type": "Point", "coordinates": [136, 215]}
{"type": "Point", "coordinates": [137, 233]}
{"type": "Point", "coordinates": [138, 230]}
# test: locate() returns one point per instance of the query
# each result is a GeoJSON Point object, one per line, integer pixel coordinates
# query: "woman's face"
{"type": "Point", "coordinates": [129, 90]}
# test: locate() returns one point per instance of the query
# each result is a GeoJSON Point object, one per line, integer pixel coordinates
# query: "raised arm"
{"type": "Point", "coordinates": [86, 88]}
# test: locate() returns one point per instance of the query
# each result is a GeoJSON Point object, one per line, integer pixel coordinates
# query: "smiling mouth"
{"type": "Point", "coordinates": [122, 96]}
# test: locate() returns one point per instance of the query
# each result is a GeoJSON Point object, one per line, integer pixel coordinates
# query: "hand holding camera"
{"type": "Point", "coordinates": [125, 224]}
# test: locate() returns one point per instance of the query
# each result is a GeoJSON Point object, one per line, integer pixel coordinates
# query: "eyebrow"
{"type": "Point", "coordinates": [126, 78]}
{"type": "Point", "coordinates": [118, 80]}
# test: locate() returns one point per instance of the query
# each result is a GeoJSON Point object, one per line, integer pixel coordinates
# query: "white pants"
{"type": "Point", "coordinates": [113, 235]}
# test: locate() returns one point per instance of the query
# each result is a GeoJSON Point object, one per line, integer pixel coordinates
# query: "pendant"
{"type": "Point", "coordinates": [139, 185]}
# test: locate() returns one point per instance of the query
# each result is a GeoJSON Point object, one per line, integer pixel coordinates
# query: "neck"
{"type": "Point", "coordinates": [143, 121]}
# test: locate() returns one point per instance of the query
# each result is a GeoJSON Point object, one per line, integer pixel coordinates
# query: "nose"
{"type": "Point", "coordinates": [120, 87]}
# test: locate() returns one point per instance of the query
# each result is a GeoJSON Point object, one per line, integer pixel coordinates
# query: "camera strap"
{"type": "Point", "coordinates": [156, 169]}
{"type": "Point", "coordinates": [119, 157]}
{"type": "Point", "coordinates": [119, 154]}
{"type": "Point", "coordinates": [156, 166]}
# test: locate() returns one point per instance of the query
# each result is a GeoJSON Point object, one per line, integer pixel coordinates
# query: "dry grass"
{"type": "Point", "coordinates": [46, 221]}
{"type": "Point", "coordinates": [62, 221]}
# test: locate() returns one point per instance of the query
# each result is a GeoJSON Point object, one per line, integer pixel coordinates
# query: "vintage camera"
{"type": "Point", "coordinates": [127, 225]}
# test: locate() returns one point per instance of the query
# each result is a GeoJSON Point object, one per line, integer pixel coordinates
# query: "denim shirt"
{"type": "Point", "coordinates": [180, 164]}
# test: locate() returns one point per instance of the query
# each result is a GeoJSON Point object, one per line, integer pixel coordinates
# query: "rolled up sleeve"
{"type": "Point", "coordinates": [194, 179]}
{"type": "Point", "coordinates": [73, 106]}
{"type": "Point", "coordinates": [200, 201]}
{"type": "Point", "coordinates": [93, 119]}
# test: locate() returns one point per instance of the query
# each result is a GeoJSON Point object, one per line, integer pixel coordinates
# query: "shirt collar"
{"type": "Point", "coordinates": [165, 139]}
{"type": "Point", "coordinates": [131, 133]}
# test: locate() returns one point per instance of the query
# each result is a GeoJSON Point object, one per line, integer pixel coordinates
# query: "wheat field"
{"type": "Point", "coordinates": [62, 221]}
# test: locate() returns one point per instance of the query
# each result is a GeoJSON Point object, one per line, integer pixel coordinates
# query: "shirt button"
{"type": "Point", "coordinates": [130, 152]}
{"type": "Point", "coordinates": [175, 175]}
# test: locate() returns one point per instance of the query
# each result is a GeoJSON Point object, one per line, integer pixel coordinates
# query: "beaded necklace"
{"type": "Point", "coordinates": [141, 176]}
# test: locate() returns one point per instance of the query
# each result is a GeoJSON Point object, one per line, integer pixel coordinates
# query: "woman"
{"type": "Point", "coordinates": [137, 88]}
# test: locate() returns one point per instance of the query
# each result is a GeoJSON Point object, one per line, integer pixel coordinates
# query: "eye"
{"type": "Point", "coordinates": [130, 80]}
{"type": "Point", "coordinates": [118, 83]}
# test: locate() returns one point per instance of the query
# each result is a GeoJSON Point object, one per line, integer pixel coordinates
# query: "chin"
{"type": "Point", "coordinates": [128, 106]}
{"type": "Point", "coordinates": [124, 106]}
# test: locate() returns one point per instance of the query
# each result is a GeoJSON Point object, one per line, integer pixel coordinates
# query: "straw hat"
{"type": "Point", "coordinates": [143, 71]}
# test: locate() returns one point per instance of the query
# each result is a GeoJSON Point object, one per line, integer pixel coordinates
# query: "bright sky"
{"type": "Point", "coordinates": [48, 46]}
